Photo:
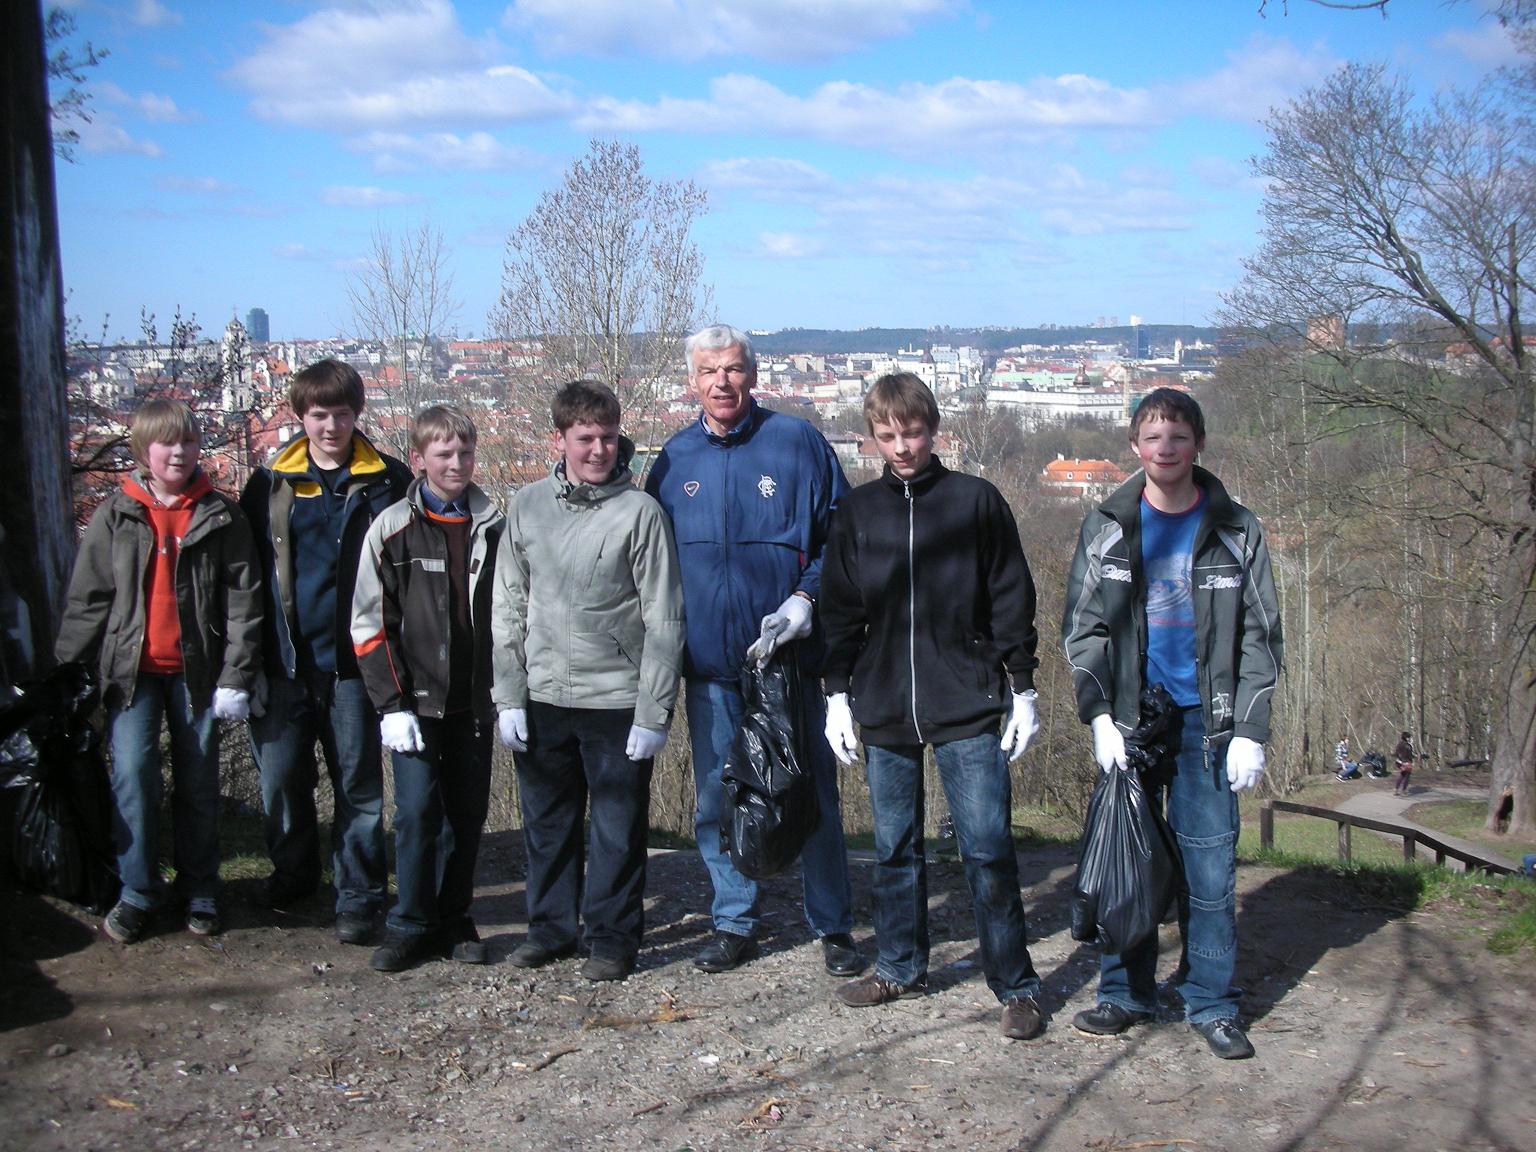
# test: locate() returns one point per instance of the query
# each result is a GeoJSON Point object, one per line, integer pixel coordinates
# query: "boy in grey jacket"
{"type": "Point", "coordinates": [588, 630]}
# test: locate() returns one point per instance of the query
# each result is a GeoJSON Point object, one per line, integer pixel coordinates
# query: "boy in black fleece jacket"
{"type": "Point", "coordinates": [929, 613]}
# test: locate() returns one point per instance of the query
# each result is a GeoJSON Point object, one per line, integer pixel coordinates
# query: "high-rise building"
{"type": "Point", "coordinates": [257, 329]}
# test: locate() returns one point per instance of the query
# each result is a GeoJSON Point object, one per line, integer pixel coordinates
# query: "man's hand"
{"type": "Point", "coordinates": [845, 745]}
{"type": "Point", "coordinates": [1022, 725]}
{"type": "Point", "coordinates": [1108, 743]}
{"type": "Point", "coordinates": [644, 743]}
{"type": "Point", "coordinates": [231, 704]}
{"type": "Point", "coordinates": [259, 696]}
{"type": "Point", "coordinates": [792, 621]}
{"type": "Point", "coordinates": [1245, 763]}
{"type": "Point", "coordinates": [512, 727]}
{"type": "Point", "coordinates": [401, 732]}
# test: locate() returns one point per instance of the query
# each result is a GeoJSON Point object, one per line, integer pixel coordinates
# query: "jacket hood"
{"type": "Point", "coordinates": [621, 478]}
{"type": "Point", "coordinates": [134, 485]}
{"type": "Point", "coordinates": [294, 460]}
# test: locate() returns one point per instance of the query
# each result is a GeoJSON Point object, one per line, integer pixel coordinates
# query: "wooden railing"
{"type": "Point", "coordinates": [1412, 837]}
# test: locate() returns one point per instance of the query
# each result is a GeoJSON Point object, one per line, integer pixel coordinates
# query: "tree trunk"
{"type": "Point", "coordinates": [39, 539]}
{"type": "Point", "coordinates": [1514, 749]}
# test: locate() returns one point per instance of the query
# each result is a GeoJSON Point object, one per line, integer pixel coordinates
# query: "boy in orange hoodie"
{"type": "Point", "coordinates": [163, 606]}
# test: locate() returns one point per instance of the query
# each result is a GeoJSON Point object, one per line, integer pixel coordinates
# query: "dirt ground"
{"type": "Point", "coordinates": [1374, 1029]}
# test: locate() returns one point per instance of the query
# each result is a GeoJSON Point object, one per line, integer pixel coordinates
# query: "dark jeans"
{"type": "Point", "coordinates": [1202, 810]}
{"type": "Point", "coordinates": [976, 782]}
{"type": "Point", "coordinates": [138, 784]}
{"type": "Point", "coordinates": [340, 716]}
{"type": "Point", "coordinates": [714, 713]}
{"type": "Point", "coordinates": [442, 795]}
{"type": "Point", "coordinates": [576, 755]}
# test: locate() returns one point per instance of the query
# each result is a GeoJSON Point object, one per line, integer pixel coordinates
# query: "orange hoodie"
{"type": "Point", "coordinates": [162, 621]}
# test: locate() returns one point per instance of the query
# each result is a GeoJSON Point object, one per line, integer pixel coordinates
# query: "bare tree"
{"type": "Point", "coordinates": [1412, 225]}
{"type": "Point", "coordinates": [403, 298]}
{"type": "Point", "coordinates": [602, 279]}
{"type": "Point", "coordinates": [68, 65]}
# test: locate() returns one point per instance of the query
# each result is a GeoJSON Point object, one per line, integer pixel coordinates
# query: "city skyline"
{"type": "Point", "coordinates": [902, 163]}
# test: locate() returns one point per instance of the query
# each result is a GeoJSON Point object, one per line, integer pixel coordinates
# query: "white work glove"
{"type": "Point", "coordinates": [1108, 743]}
{"type": "Point", "coordinates": [259, 696]}
{"type": "Point", "coordinates": [1020, 730]}
{"type": "Point", "coordinates": [400, 732]}
{"type": "Point", "coordinates": [845, 745]}
{"type": "Point", "coordinates": [644, 743]}
{"type": "Point", "coordinates": [1245, 763]}
{"type": "Point", "coordinates": [791, 622]}
{"type": "Point", "coordinates": [231, 704]}
{"type": "Point", "coordinates": [512, 727]}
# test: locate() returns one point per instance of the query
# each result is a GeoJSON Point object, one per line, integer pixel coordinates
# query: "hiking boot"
{"type": "Point", "coordinates": [126, 922]}
{"type": "Point", "coordinates": [402, 950]}
{"type": "Point", "coordinates": [868, 991]}
{"type": "Point", "coordinates": [726, 951]}
{"type": "Point", "coordinates": [1022, 1018]}
{"type": "Point", "coordinates": [1107, 1019]}
{"type": "Point", "coordinates": [598, 968]}
{"type": "Point", "coordinates": [465, 945]}
{"type": "Point", "coordinates": [356, 927]}
{"type": "Point", "coordinates": [842, 955]}
{"type": "Point", "coordinates": [203, 916]}
{"type": "Point", "coordinates": [532, 954]}
{"type": "Point", "coordinates": [1226, 1038]}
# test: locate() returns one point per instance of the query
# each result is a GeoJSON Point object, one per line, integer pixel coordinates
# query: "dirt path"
{"type": "Point", "coordinates": [1375, 1030]}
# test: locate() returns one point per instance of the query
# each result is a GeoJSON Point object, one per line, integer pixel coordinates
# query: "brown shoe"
{"type": "Point", "coordinates": [1022, 1018]}
{"type": "Point", "coordinates": [868, 991]}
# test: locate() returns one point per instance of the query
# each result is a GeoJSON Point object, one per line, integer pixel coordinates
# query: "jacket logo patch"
{"type": "Point", "coordinates": [1216, 582]}
{"type": "Point", "coordinates": [430, 564]}
{"type": "Point", "coordinates": [1221, 706]}
{"type": "Point", "coordinates": [767, 487]}
{"type": "Point", "coordinates": [691, 488]}
{"type": "Point", "coordinates": [1115, 572]}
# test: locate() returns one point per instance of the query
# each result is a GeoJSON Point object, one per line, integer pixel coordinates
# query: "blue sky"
{"type": "Point", "coordinates": [867, 162]}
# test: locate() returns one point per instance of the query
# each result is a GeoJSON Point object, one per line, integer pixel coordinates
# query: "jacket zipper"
{"type": "Point", "coordinates": [906, 488]}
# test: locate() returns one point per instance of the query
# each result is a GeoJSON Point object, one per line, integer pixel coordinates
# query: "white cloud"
{"type": "Point", "coordinates": [767, 176]}
{"type": "Point", "coordinates": [779, 30]}
{"type": "Point", "coordinates": [1489, 44]}
{"type": "Point", "coordinates": [296, 251]}
{"type": "Point", "coordinates": [474, 152]}
{"type": "Point", "coordinates": [1265, 73]}
{"type": "Point", "coordinates": [790, 245]}
{"type": "Point", "coordinates": [383, 68]}
{"type": "Point", "coordinates": [104, 136]}
{"type": "Point", "coordinates": [201, 185]}
{"type": "Point", "coordinates": [153, 14]}
{"type": "Point", "coordinates": [149, 105]}
{"type": "Point", "coordinates": [350, 196]}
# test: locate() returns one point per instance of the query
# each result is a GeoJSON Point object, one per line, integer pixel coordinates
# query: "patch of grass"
{"type": "Point", "coordinates": [1464, 819]}
{"type": "Point", "coordinates": [1312, 838]}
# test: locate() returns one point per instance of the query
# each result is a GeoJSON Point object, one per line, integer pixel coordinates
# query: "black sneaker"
{"type": "Point", "coordinates": [356, 927]}
{"type": "Point", "coordinates": [726, 951]}
{"type": "Point", "coordinates": [599, 968]}
{"type": "Point", "coordinates": [532, 954]}
{"type": "Point", "coordinates": [203, 916]}
{"type": "Point", "coordinates": [126, 922]}
{"type": "Point", "coordinates": [1022, 1018]}
{"type": "Point", "coordinates": [1107, 1019]}
{"type": "Point", "coordinates": [1226, 1038]}
{"type": "Point", "coordinates": [401, 951]}
{"type": "Point", "coordinates": [842, 955]}
{"type": "Point", "coordinates": [464, 943]}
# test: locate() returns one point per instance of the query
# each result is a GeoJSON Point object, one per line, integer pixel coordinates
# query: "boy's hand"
{"type": "Point", "coordinates": [1245, 763]}
{"type": "Point", "coordinates": [231, 704]}
{"type": "Point", "coordinates": [1022, 725]}
{"type": "Point", "coordinates": [845, 745]}
{"type": "Point", "coordinates": [512, 727]}
{"type": "Point", "coordinates": [400, 732]}
{"type": "Point", "coordinates": [1108, 743]}
{"type": "Point", "coordinates": [644, 743]}
{"type": "Point", "coordinates": [792, 621]}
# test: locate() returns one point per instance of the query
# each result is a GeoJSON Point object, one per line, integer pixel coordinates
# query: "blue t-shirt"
{"type": "Point", "coordinates": [1167, 554]}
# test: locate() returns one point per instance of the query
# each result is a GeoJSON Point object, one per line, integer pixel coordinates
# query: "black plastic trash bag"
{"type": "Point", "coordinates": [770, 796]}
{"type": "Point", "coordinates": [55, 796]}
{"type": "Point", "coordinates": [1128, 866]}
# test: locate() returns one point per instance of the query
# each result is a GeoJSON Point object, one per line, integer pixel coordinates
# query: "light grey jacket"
{"type": "Point", "coordinates": [588, 606]}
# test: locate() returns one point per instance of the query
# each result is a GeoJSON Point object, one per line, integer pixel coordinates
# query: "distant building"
{"type": "Point", "coordinates": [1082, 479]}
{"type": "Point", "coordinates": [257, 329]}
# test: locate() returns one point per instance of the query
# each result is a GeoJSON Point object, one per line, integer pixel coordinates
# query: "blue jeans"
{"type": "Point", "coordinates": [138, 787]}
{"type": "Point", "coordinates": [980, 793]}
{"type": "Point", "coordinates": [338, 714]}
{"type": "Point", "coordinates": [576, 756]}
{"type": "Point", "coordinates": [442, 795]}
{"type": "Point", "coordinates": [1202, 810]}
{"type": "Point", "coordinates": [714, 711]}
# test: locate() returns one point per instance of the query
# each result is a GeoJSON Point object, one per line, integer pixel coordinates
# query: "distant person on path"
{"type": "Point", "coordinates": [929, 609]}
{"type": "Point", "coordinates": [1402, 755]}
{"type": "Point", "coordinates": [750, 494]}
{"type": "Point", "coordinates": [588, 632]}
{"type": "Point", "coordinates": [309, 511]}
{"type": "Point", "coordinates": [421, 630]}
{"type": "Point", "coordinates": [1341, 755]}
{"type": "Point", "coordinates": [1171, 583]}
{"type": "Point", "coordinates": [164, 608]}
